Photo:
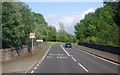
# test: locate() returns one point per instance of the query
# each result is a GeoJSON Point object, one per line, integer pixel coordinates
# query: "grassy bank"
{"type": "Point", "coordinates": [49, 42]}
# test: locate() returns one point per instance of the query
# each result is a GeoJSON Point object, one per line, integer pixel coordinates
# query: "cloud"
{"type": "Point", "coordinates": [51, 16]}
{"type": "Point", "coordinates": [74, 17]}
{"type": "Point", "coordinates": [69, 20]}
{"type": "Point", "coordinates": [88, 11]}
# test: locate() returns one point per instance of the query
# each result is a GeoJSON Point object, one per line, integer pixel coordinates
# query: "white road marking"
{"type": "Point", "coordinates": [65, 51]}
{"type": "Point", "coordinates": [32, 71]}
{"type": "Point", "coordinates": [40, 61]}
{"type": "Point", "coordinates": [31, 67]}
{"type": "Point", "coordinates": [37, 61]}
{"type": "Point", "coordinates": [59, 56]}
{"type": "Point", "coordinates": [73, 58]}
{"type": "Point", "coordinates": [83, 67]}
{"type": "Point", "coordinates": [35, 68]}
{"type": "Point", "coordinates": [50, 54]}
{"type": "Point", "coordinates": [47, 56]}
{"type": "Point", "coordinates": [99, 57]}
{"type": "Point", "coordinates": [37, 64]}
{"type": "Point", "coordinates": [66, 57]}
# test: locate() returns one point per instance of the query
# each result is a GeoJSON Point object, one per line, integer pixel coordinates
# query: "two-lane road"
{"type": "Point", "coordinates": [72, 60]}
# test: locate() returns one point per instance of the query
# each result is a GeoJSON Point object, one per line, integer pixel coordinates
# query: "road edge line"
{"type": "Point", "coordinates": [99, 57]}
{"type": "Point", "coordinates": [31, 67]}
{"type": "Point", "coordinates": [40, 61]}
{"type": "Point", "coordinates": [45, 54]}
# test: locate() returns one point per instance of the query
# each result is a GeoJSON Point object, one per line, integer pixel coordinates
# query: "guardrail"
{"type": "Point", "coordinates": [11, 53]}
{"type": "Point", "coordinates": [106, 48]}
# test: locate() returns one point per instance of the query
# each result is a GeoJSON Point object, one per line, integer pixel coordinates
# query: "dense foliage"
{"type": "Point", "coordinates": [0, 20]}
{"type": "Point", "coordinates": [18, 21]}
{"type": "Point", "coordinates": [63, 36]}
{"type": "Point", "coordinates": [17, 24]}
{"type": "Point", "coordinates": [101, 26]}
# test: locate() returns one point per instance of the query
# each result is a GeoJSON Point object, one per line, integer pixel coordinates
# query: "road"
{"type": "Point", "coordinates": [72, 60]}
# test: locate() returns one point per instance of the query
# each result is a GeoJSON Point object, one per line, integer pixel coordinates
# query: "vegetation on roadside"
{"type": "Point", "coordinates": [0, 21]}
{"type": "Point", "coordinates": [18, 21]}
{"type": "Point", "coordinates": [49, 42]}
{"type": "Point", "coordinates": [101, 26]}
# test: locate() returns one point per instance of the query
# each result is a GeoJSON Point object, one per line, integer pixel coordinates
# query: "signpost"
{"type": "Point", "coordinates": [32, 36]}
{"type": "Point", "coordinates": [39, 42]}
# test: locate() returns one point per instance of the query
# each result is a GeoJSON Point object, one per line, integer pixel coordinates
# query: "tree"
{"type": "Point", "coordinates": [99, 27]}
{"type": "Point", "coordinates": [0, 20]}
{"type": "Point", "coordinates": [52, 34]}
{"type": "Point", "coordinates": [18, 21]}
{"type": "Point", "coordinates": [61, 33]}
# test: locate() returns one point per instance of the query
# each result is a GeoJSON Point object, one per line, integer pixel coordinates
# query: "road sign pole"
{"type": "Point", "coordinates": [32, 44]}
{"type": "Point", "coordinates": [32, 36]}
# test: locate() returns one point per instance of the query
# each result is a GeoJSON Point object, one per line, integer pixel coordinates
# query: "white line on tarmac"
{"type": "Point", "coordinates": [37, 61]}
{"type": "Point", "coordinates": [30, 67]}
{"type": "Point", "coordinates": [32, 71]}
{"type": "Point", "coordinates": [37, 64]}
{"type": "Point", "coordinates": [35, 68]}
{"type": "Point", "coordinates": [43, 57]}
{"type": "Point", "coordinates": [45, 54]}
{"type": "Point", "coordinates": [102, 58]}
{"type": "Point", "coordinates": [65, 50]}
{"type": "Point", "coordinates": [99, 57]}
{"type": "Point", "coordinates": [83, 67]}
{"type": "Point", "coordinates": [73, 58]}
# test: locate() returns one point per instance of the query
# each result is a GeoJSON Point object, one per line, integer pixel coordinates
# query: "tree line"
{"type": "Point", "coordinates": [101, 26]}
{"type": "Point", "coordinates": [18, 21]}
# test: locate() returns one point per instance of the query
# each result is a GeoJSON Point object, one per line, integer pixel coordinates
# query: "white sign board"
{"type": "Point", "coordinates": [39, 41]}
{"type": "Point", "coordinates": [32, 35]}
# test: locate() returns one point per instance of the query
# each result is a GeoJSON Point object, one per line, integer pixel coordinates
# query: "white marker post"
{"type": "Point", "coordinates": [32, 36]}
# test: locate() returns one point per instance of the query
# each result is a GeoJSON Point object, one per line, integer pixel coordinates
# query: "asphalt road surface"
{"type": "Point", "coordinates": [72, 60]}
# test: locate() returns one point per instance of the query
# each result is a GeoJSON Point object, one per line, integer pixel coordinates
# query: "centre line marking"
{"type": "Point", "coordinates": [73, 58]}
{"type": "Point", "coordinates": [35, 68]}
{"type": "Point", "coordinates": [32, 72]}
{"type": "Point", "coordinates": [37, 64]}
{"type": "Point", "coordinates": [65, 50]}
{"type": "Point", "coordinates": [83, 67]}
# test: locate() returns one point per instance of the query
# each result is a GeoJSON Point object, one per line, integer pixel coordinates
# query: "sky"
{"type": "Point", "coordinates": [68, 13]}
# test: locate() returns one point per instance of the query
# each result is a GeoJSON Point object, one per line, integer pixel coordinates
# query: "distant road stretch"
{"type": "Point", "coordinates": [72, 60]}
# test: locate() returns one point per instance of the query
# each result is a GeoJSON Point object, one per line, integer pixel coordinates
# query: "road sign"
{"type": "Point", "coordinates": [39, 41]}
{"type": "Point", "coordinates": [32, 35]}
